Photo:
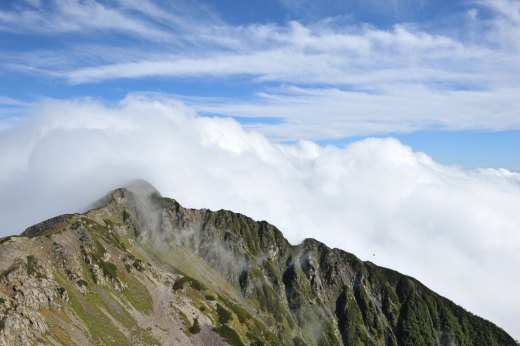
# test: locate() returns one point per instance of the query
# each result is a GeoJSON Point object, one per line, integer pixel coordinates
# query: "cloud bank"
{"type": "Point", "coordinates": [455, 230]}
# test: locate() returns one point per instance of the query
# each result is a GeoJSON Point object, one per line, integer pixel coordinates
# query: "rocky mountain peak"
{"type": "Point", "coordinates": [140, 269]}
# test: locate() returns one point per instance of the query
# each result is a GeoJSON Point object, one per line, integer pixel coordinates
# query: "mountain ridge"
{"type": "Point", "coordinates": [240, 278]}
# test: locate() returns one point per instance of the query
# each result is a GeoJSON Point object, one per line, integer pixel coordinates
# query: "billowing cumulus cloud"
{"type": "Point", "coordinates": [455, 230]}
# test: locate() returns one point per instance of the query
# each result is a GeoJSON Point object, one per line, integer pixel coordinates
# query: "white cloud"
{"type": "Point", "coordinates": [387, 9]}
{"type": "Point", "coordinates": [307, 54]}
{"type": "Point", "coordinates": [456, 230]}
{"type": "Point", "coordinates": [75, 16]}
{"type": "Point", "coordinates": [321, 52]}
{"type": "Point", "coordinates": [365, 80]}
{"type": "Point", "coordinates": [8, 101]}
{"type": "Point", "coordinates": [334, 113]}
{"type": "Point", "coordinates": [324, 79]}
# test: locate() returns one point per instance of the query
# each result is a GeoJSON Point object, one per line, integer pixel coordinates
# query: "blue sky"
{"type": "Point", "coordinates": [441, 76]}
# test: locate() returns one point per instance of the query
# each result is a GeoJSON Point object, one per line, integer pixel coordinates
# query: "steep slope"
{"type": "Point", "coordinates": [139, 269]}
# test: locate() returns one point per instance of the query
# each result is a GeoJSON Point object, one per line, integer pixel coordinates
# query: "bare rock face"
{"type": "Point", "coordinates": [139, 269]}
{"type": "Point", "coordinates": [29, 287]}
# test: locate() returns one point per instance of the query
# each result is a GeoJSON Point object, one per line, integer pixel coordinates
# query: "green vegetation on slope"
{"type": "Point", "coordinates": [223, 272]}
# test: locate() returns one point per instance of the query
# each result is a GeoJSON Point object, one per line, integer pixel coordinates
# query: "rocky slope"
{"type": "Point", "coordinates": [139, 269]}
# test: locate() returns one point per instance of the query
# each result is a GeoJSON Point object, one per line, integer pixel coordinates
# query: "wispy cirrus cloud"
{"type": "Point", "coordinates": [394, 9]}
{"type": "Point", "coordinates": [73, 16]}
{"type": "Point", "coordinates": [319, 113]}
{"type": "Point", "coordinates": [300, 54]}
{"type": "Point", "coordinates": [361, 78]}
{"type": "Point", "coordinates": [322, 48]}
{"type": "Point", "coordinates": [10, 108]}
{"type": "Point", "coordinates": [8, 101]}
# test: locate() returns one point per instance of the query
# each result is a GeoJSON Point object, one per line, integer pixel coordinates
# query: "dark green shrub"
{"type": "Point", "coordinates": [31, 264]}
{"type": "Point", "coordinates": [82, 283]}
{"type": "Point", "coordinates": [229, 335]}
{"type": "Point", "coordinates": [138, 264]}
{"type": "Point", "coordinates": [297, 341]}
{"type": "Point", "coordinates": [197, 285]}
{"type": "Point", "coordinates": [32, 267]}
{"type": "Point", "coordinates": [126, 216]}
{"type": "Point", "coordinates": [195, 328]}
{"type": "Point", "coordinates": [179, 284]}
{"type": "Point", "coordinates": [109, 269]}
{"type": "Point", "coordinates": [242, 314]}
{"type": "Point", "coordinates": [3, 240]}
{"type": "Point", "coordinates": [254, 340]}
{"type": "Point", "coordinates": [223, 314]}
{"type": "Point", "coordinates": [100, 250]}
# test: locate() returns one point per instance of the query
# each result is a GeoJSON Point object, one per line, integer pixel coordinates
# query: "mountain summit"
{"type": "Point", "coordinates": [139, 269]}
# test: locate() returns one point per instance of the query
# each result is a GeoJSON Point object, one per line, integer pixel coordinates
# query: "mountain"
{"type": "Point", "coordinates": [139, 269]}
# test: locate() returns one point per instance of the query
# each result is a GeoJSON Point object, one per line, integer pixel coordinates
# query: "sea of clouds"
{"type": "Point", "coordinates": [456, 230]}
